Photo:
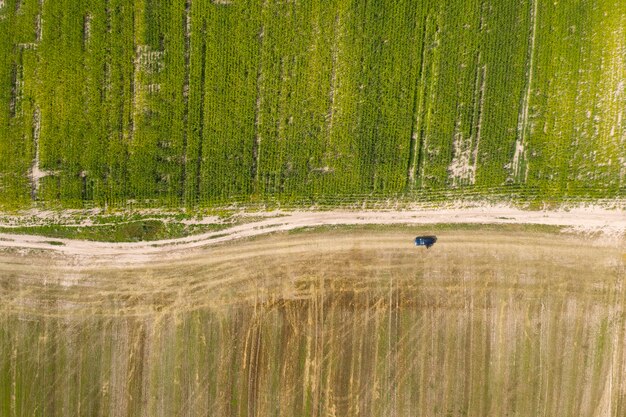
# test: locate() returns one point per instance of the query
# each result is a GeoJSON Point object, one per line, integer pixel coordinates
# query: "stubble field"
{"type": "Point", "coordinates": [355, 322]}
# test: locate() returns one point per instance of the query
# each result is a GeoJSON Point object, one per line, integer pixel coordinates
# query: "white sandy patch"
{"type": "Point", "coordinates": [152, 88]}
{"type": "Point", "coordinates": [38, 28]}
{"type": "Point", "coordinates": [461, 170]}
{"type": "Point", "coordinates": [36, 173]}
{"type": "Point", "coordinates": [516, 174]}
{"type": "Point", "coordinates": [149, 60]}
{"type": "Point", "coordinates": [87, 28]}
{"type": "Point", "coordinates": [39, 23]}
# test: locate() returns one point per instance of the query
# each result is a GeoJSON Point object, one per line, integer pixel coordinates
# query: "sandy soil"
{"type": "Point", "coordinates": [609, 224]}
{"type": "Point", "coordinates": [283, 264]}
{"type": "Point", "coordinates": [337, 316]}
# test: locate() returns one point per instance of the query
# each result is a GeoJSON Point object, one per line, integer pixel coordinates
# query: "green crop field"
{"type": "Point", "coordinates": [197, 103]}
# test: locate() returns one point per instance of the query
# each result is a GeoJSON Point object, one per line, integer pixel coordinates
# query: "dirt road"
{"type": "Point", "coordinates": [610, 223]}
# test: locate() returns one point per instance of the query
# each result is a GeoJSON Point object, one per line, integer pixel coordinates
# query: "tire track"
{"type": "Point", "coordinates": [611, 223]}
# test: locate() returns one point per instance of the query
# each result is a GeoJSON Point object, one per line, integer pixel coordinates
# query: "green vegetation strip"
{"type": "Point", "coordinates": [134, 231]}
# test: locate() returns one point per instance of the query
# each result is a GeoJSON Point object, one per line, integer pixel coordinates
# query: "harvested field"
{"type": "Point", "coordinates": [351, 322]}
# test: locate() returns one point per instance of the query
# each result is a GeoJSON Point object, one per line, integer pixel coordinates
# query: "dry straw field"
{"type": "Point", "coordinates": [353, 322]}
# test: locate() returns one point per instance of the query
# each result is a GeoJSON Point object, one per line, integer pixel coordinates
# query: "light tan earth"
{"type": "Point", "coordinates": [611, 224]}
{"type": "Point", "coordinates": [271, 263]}
{"type": "Point", "coordinates": [352, 322]}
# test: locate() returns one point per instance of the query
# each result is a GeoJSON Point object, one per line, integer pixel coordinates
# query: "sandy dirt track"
{"type": "Point", "coordinates": [611, 223]}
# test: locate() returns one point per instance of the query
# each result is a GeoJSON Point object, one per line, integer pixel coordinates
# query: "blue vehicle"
{"type": "Point", "coordinates": [427, 241]}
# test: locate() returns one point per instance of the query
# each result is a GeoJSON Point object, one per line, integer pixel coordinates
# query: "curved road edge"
{"type": "Point", "coordinates": [610, 223]}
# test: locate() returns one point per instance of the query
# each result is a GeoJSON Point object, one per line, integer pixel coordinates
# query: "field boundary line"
{"type": "Point", "coordinates": [610, 223]}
